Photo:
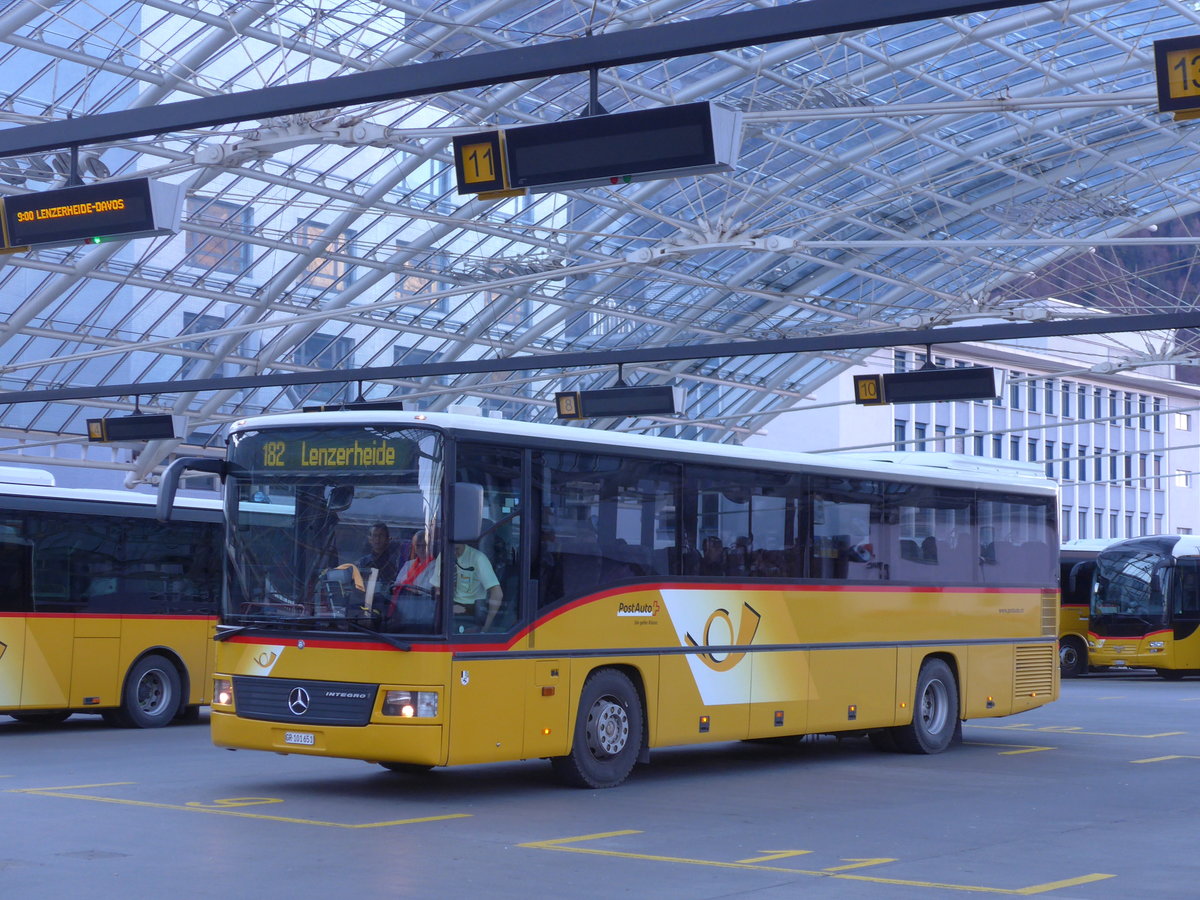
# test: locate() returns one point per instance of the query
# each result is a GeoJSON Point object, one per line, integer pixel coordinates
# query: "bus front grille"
{"type": "Point", "coordinates": [304, 702]}
{"type": "Point", "coordinates": [1034, 665]}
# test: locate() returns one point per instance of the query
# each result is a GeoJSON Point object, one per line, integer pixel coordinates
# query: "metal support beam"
{"type": "Point", "coordinates": [592, 358]}
{"type": "Point", "coordinates": [792, 21]}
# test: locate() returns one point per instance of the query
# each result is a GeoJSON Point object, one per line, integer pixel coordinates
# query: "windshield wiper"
{"type": "Point", "coordinates": [386, 638]}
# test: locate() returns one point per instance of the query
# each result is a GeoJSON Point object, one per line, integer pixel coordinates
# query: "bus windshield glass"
{"type": "Point", "coordinates": [1129, 585]}
{"type": "Point", "coordinates": [326, 524]}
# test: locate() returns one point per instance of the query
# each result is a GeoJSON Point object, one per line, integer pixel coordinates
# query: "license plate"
{"type": "Point", "coordinates": [299, 737]}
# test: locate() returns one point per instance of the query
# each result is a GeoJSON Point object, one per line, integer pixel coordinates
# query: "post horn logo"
{"type": "Point", "coordinates": [267, 658]}
{"type": "Point", "coordinates": [3, 647]}
{"type": "Point", "coordinates": [747, 628]}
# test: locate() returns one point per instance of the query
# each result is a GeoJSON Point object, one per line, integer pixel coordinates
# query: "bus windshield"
{"type": "Point", "coordinates": [1129, 585]}
{"type": "Point", "coordinates": [325, 524]}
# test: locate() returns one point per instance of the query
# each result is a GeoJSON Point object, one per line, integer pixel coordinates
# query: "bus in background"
{"type": "Point", "coordinates": [103, 609]}
{"type": "Point", "coordinates": [612, 593]}
{"type": "Point", "coordinates": [1145, 609]}
{"type": "Point", "coordinates": [1076, 563]}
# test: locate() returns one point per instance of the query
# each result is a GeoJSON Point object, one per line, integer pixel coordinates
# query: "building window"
{"type": "Point", "coordinates": [1142, 406]}
{"type": "Point", "coordinates": [997, 447]}
{"type": "Point", "coordinates": [1112, 525]}
{"type": "Point", "coordinates": [1066, 462]}
{"type": "Point", "coordinates": [1183, 478]}
{"type": "Point", "coordinates": [224, 253]}
{"type": "Point", "coordinates": [1033, 395]}
{"type": "Point", "coordinates": [1183, 422]}
{"type": "Point", "coordinates": [1158, 407]}
{"type": "Point", "coordinates": [323, 351]}
{"type": "Point", "coordinates": [1066, 398]}
{"type": "Point", "coordinates": [1143, 524]}
{"type": "Point", "coordinates": [1033, 449]}
{"type": "Point", "coordinates": [1014, 390]}
{"type": "Point", "coordinates": [960, 442]}
{"type": "Point", "coordinates": [417, 278]}
{"type": "Point", "coordinates": [326, 270]}
{"type": "Point", "coordinates": [1099, 525]}
{"type": "Point", "coordinates": [1051, 390]}
{"type": "Point", "coordinates": [1049, 459]}
{"type": "Point", "coordinates": [1184, 530]}
{"type": "Point", "coordinates": [900, 360]}
{"type": "Point", "coordinates": [1098, 468]}
{"type": "Point", "coordinates": [978, 445]}
{"type": "Point", "coordinates": [940, 431]}
{"type": "Point", "coordinates": [1098, 403]}
{"type": "Point", "coordinates": [1066, 523]}
{"type": "Point", "coordinates": [1014, 448]}
{"type": "Point", "coordinates": [919, 433]}
{"type": "Point", "coordinates": [1128, 524]}
{"type": "Point", "coordinates": [1083, 523]}
{"type": "Point", "coordinates": [900, 433]}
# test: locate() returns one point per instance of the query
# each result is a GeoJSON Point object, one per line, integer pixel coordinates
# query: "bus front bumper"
{"type": "Point", "coordinates": [418, 744]}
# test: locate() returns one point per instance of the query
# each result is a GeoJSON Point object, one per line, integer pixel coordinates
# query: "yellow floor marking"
{"type": "Point", "coordinates": [563, 844]}
{"type": "Point", "coordinates": [1162, 759]}
{"type": "Point", "coordinates": [63, 792]}
{"type": "Point", "coordinates": [1025, 748]}
{"type": "Point", "coordinates": [774, 854]}
{"type": "Point", "coordinates": [859, 863]}
{"type": "Point", "coordinates": [1073, 729]}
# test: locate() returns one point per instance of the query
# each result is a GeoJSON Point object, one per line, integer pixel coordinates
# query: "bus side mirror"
{"type": "Point", "coordinates": [168, 484]}
{"type": "Point", "coordinates": [467, 521]}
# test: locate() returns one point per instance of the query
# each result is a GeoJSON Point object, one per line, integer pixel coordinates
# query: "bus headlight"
{"type": "Point", "coordinates": [411, 704]}
{"type": "Point", "coordinates": [1156, 645]}
{"type": "Point", "coordinates": [222, 692]}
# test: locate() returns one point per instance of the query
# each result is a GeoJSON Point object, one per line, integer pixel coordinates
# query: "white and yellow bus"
{"type": "Point", "coordinates": [103, 609]}
{"type": "Point", "coordinates": [1145, 605]}
{"type": "Point", "coordinates": [612, 594]}
{"type": "Point", "coordinates": [1076, 563]}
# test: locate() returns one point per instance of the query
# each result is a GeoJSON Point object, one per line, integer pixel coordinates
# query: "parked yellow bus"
{"type": "Point", "coordinates": [1145, 610]}
{"type": "Point", "coordinates": [103, 609]}
{"type": "Point", "coordinates": [1076, 564]}
{"type": "Point", "coordinates": [612, 594]}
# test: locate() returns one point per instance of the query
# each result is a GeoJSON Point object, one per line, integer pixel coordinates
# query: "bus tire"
{"type": "Point", "coordinates": [41, 718]}
{"type": "Point", "coordinates": [150, 698]}
{"type": "Point", "coordinates": [935, 711]}
{"type": "Point", "coordinates": [1169, 674]}
{"type": "Point", "coordinates": [608, 733]}
{"type": "Point", "coordinates": [1072, 657]}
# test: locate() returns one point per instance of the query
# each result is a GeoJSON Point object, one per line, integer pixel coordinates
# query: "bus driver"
{"type": "Point", "coordinates": [475, 582]}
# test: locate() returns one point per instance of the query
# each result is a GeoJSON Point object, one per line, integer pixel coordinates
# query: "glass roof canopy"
{"type": "Point", "coordinates": [896, 177]}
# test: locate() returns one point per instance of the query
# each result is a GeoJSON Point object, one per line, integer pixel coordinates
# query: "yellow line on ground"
{"type": "Point", "coordinates": [1025, 748]}
{"type": "Point", "coordinates": [561, 844]}
{"type": "Point", "coordinates": [1074, 729]}
{"type": "Point", "coordinates": [773, 854]}
{"type": "Point", "coordinates": [1162, 759]}
{"type": "Point", "coordinates": [51, 792]}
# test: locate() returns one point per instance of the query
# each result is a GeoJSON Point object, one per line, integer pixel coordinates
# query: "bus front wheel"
{"type": "Point", "coordinates": [150, 698]}
{"type": "Point", "coordinates": [608, 733]}
{"type": "Point", "coordinates": [1072, 658]}
{"type": "Point", "coordinates": [935, 711]}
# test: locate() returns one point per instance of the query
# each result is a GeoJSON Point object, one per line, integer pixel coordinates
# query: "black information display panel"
{"type": "Point", "coordinates": [79, 213]}
{"type": "Point", "coordinates": [648, 140]}
{"type": "Point", "coordinates": [931, 385]}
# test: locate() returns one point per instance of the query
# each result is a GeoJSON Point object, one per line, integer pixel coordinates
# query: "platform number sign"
{"type": "Point", "coordinates": [1177, 74]}
{"type": "Point", "coordinates": [868, 390]}
{"type": "Point", "coordinates": [479, 162]}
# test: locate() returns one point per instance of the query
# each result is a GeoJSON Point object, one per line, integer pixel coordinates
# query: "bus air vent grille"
{"type": "Point", "coordinates": [1034, 670]}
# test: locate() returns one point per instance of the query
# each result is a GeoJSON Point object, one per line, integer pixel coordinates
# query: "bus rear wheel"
{"type": "Point", "coordinates": [1072, 658]}
{"type": "Point", "coordinates": [935, 711]}
{"type": "Point", "coordinates": [608, 733]}
{"type": "Point", "coordinates": [150, 698]}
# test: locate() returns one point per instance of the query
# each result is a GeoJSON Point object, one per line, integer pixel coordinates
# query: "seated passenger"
{"type": "Point", "coordinates": [477, 592]}
{"type": "Point", "coordinates": [415, 572]}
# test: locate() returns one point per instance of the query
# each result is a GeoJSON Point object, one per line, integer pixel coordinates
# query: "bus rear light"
{"type": "Point", "coordinates": [222, 692]}
{"type": "Point", "coordinates": [411, 704]}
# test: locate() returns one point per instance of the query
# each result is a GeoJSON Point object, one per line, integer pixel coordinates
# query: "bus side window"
{"type": "Point", "coordinates": [1186, 603]}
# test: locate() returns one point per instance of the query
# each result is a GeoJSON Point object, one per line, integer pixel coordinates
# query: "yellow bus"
{"type": "Point", "coordinates": [1076, 563]}
{"type": "Point", "coordinates": [103, 609]}
{"type": "Point", "coordinates": [1145, 608]}
{"type": "Point", "coordinates": [611, 594]}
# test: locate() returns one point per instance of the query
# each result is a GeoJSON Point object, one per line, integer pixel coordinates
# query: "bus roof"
{"type": "Point", "coordinates": [1175, 545]}
{"type": "Point", "coordinates": [98, 495]}
{"type": "Point", "coordinates": [850, 465]}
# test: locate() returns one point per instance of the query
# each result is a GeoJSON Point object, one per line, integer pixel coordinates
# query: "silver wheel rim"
{"type": "Point", "coordinates": [153, 692]}
{"type": "Point", "coordinates": [607, 728]}
{"type": "Point", "coordinates": [934, 707]}
{"type": "Point", "coordinates": [1067, 656]}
